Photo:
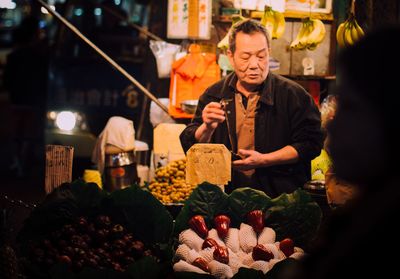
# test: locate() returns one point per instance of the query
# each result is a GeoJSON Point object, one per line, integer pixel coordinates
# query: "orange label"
{"type": "Point", "coordinates": [118, 172]}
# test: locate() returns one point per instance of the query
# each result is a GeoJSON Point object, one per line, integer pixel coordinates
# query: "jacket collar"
{"type": "Point", "coordinates": [267, 89]}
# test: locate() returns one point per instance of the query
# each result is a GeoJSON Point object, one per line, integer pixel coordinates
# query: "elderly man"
{"type": "Point", "coordinates": [271, 122]}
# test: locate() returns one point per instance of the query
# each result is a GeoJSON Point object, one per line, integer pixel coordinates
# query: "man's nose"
{"type": "Point", "coordinates": [253, 62]}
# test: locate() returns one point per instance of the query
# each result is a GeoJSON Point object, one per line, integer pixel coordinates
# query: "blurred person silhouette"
{"type": "Point", "coordinates": [361, 239]}
{"type": "Point", "coordinates": [25, 79]}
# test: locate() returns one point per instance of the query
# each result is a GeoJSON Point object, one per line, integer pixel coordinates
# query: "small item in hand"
{"type": "Point", "coordinates": [224, 103]}
{"type": "Point", "coordinates": [235, 156]}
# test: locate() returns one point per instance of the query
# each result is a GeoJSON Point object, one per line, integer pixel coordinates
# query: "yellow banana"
{"type": "Point", "coordinates": [318, 32]}
{"type": "Point", "coordinates": [224, 43]}
{"type": "Point", "coordinates": [340, 35]}
{"type": "Point", "coordinates": [354, 34]}
{"type": "Point", "coordinates": [349, 32]}
{"type": "Point", "coordinates": [279, 27]}
{"type": "Point", "coordinates": [347, 35]}
{"type": "Point", "coordinates": [360, 32]}
{"type": "Point", "coordinates": [268, 20]}
{"type": "Point", "coordinates": [308, 26]}
{"type": "Point", "coordinates": [301, 39]}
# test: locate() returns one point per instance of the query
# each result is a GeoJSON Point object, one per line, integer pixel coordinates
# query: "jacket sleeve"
{"type": "Point", "coordinates": [306, 132]}
{"type": "Point", "coordinates": [187, 136]}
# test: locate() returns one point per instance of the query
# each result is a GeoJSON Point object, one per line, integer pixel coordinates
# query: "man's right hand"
{"type": "Point", "coordinates": [212, 115]}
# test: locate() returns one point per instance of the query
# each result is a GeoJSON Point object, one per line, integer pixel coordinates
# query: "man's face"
{"type": "Point", "coordinates": [250, 59]}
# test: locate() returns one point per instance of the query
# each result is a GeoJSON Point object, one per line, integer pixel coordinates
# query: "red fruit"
{"type": "Point", "coordinates": [202, 264]}
{"type": "Point", "coordinates": [221, 254]}
{"type": "Point", "coordinates": [222, 223]}
{"type": "Point", "coordinates": [255, 219]}
{"type": "Point", "coordinates": [209, 243]}
{"type": "Point", "coordinates": [198, 224]}
{"type": "Point", "coordinates": [64, 259]}
{"type": "Point", "coordinates": [261, 253]}
{"type": "Point", "coordinates": [287, 246]}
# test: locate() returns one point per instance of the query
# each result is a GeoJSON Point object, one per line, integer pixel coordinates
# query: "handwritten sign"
{"type": "Point", "coordinates": [189, 19]}
{"type": "Point", "coordinates": [208, 162]}
{"type": "Point", "coordinates": [58, 166]}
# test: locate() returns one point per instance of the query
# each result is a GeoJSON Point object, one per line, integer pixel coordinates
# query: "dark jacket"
{"type": "Point", "coordinates": [285, 115]}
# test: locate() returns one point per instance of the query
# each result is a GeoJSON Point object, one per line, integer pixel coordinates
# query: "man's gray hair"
{"type": "Point", "coordinates": [247, 26]}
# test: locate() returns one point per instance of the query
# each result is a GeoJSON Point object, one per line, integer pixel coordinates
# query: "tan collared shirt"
{"type": "Point", "coordinates": [245, 123]}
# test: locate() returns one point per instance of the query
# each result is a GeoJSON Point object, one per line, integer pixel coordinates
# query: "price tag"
{"type": "Point", "coordinates": [208, 162]}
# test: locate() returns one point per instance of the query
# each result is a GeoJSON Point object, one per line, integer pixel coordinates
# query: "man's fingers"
{"type": "Point", "coordinates": [245, 153]}
{"type": "Point", "coordinates": [214, 110]}
{"type": "Point", "coordinates": [215, 117]}
{"type": "Point", "coordinates": [213, 105]}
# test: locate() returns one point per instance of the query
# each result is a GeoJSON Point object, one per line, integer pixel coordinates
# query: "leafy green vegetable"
{"type": "Point", "coordinates": [142, 214]}
{"type": "Point", "coordinates": [137, 210]}
{"type": "Point", "coordinates": [61, 206]}
{"type": "Point", "coordinates": [294, 215]}
{"type": "Point", "coordinates": [244, 200]}
{"type": "Point", "coordinates": [207, 200]}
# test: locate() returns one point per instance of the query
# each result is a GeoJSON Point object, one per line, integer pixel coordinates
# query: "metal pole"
{"type": "Point", "coordinates": [141, 29]}
{"type": "Point", "coordinates": [104, 55]}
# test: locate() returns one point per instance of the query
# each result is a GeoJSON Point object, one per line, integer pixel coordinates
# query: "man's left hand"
{"type": "Point", "coordinates": [251, 160]}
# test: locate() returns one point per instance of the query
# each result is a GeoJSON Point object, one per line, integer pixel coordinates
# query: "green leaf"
{"type": "Point", "coordinates": [244, 200]}
{"type": "Point", "coordinates": [146, 267]}
{"type": "Point", "coordinates": [142, 214]}
{"type": "Point", "coordinates": [294, 215]}
{"type": "Point", "coordinates": [87, 195]}
{"type": "Point", "coordinates": [248, 273]}
{"type": "Point", "coordinates": [207, 200]}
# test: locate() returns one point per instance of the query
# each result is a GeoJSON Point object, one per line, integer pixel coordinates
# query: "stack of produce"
{"type": "Point", "coordinates": [81, 231]}
{"type": "Point", "coordinates": [223, 250]}
{"type": "Point", "coordinates": [169, 184]}
{"type": "Point", "coordinates": [244, 234]}
{"type": "Point", "coordinates": [97, 243]}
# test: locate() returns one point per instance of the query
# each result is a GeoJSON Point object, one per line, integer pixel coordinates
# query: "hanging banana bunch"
{"type": "Point", "coordinates": [311, 34]}
{"type": "Point", "coordinates": [274, 21]}
{"type": "Point", "coordinates": [349, 31]}
{"type": "Point", "coordinates": [224, 43]}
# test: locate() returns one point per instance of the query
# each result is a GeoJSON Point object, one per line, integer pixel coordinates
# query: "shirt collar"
{"type": "Point", "coordinates": [267, 92]}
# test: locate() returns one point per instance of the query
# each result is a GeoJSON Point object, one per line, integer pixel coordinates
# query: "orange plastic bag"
{"type": "Point", "coordinates": [190, 77]}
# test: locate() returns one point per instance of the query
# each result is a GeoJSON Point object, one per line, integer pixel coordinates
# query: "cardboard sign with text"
{"type": "Point", "coordinates": [208, 162]}
{"type": "Point", "coordinates": [58, 166]}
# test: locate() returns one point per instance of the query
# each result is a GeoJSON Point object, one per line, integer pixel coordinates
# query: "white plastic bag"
{"type": "Point", "coordinates": [164, 54]}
